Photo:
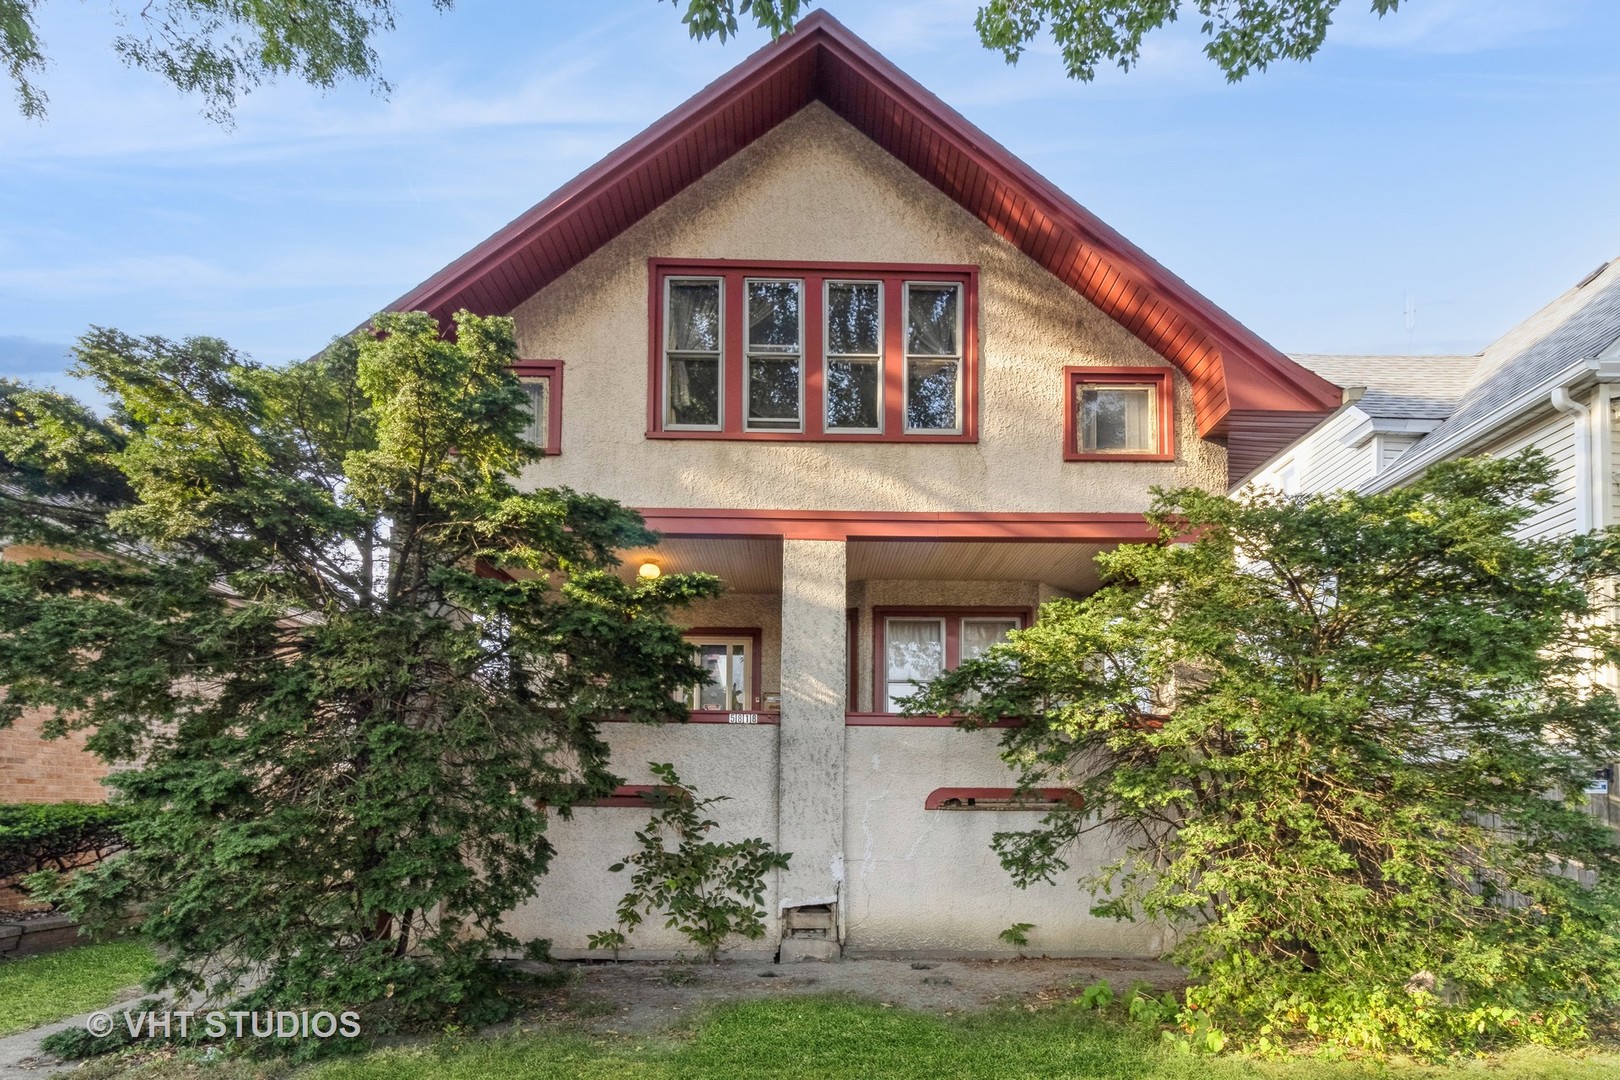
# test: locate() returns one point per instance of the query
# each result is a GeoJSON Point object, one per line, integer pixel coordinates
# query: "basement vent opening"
{"type": "Point", "coordinates": [1041, 799]}
{"type": "Point", "coordinates": [816, 921]}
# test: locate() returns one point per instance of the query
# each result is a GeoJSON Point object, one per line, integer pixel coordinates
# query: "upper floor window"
{"type": "Point", "coordinates": [541, 382]}
{"type": "Point", "coordinates": [819, 351]}
{"type": "Point", "coordinates": [1119, 414]}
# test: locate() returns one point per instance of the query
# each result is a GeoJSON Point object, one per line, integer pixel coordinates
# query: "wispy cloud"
{"type": "Point", "coordinates": [1454, 26]}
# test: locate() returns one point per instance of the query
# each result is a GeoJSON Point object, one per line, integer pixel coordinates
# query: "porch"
{"type": "Point", "coordinates": [888, 818]}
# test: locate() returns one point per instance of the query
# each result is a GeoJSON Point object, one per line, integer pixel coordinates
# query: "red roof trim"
{"type": "Point", "coordinates": [1235, 374]}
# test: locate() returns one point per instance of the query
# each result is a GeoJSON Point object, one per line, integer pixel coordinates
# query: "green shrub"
{"type": "Point", "coordinates": [55, 836]}
{"type": "Point", "coordinates": [708, 891]}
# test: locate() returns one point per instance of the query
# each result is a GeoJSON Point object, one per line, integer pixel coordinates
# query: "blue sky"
{"type": "Point", "coordinates": [1462, 153]}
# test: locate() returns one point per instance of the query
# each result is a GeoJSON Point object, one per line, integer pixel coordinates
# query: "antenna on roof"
{"type": "Point", "coordinates": [1410, 318]}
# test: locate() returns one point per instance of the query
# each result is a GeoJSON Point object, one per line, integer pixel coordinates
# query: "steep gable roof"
{"type": "Point", "coordinates": [1243, 389]}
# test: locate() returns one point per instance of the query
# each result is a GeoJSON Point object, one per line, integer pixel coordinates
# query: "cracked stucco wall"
{"type": "Point", "coordinates": [926, 881]}
{"type": "Point", "coordinates": [578, 896]}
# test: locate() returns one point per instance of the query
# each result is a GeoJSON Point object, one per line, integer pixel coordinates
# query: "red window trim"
{"type": "Point", "coordinates": [755, 637]}
{"type": "Point", "coordinates": [629, 795]}
{"type": "Point", "coordinates": [1045, 798]}
{"type": "Point", "coordinates": [1163, 379]}
{"type": "Point", "coordinates": [852, 623]}
{"type": "Point", "coordinates": [953, 617]}
{"type": "Point", "coordinates": [889, 719]}
{"type": "Point", "coordinates": [551, 370]}
{"type": "Point", "coordinates": [814, 274]}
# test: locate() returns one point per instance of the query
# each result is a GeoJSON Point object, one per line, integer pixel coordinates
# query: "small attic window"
{"type": "Point", "coordinates": [541, 382]}
{"type": "Point", "coordinates": [1119, 414]}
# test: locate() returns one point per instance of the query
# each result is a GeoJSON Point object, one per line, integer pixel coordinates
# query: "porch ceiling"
{"type": "Point", "coordinates": [754, 564]}
{"type": "Point", "coordinates": [1068, 566]}
{"type": "Point", "coordinates": [751, 564]}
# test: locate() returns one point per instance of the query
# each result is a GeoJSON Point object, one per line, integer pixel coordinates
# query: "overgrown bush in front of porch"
{"type": "Point", "coordinates": [1345, 739]}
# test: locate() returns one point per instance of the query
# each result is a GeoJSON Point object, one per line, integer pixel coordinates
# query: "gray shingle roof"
{"type": "Point", "coordinates": [1577, 326]}
{"type": "Point", "coordinates": [1399, 387]}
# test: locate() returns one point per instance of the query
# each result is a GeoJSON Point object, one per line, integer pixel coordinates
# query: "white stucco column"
{"type": "Point", "coordinates": [811, 760]}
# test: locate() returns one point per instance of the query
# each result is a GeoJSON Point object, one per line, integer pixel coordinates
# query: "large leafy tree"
{"type": "Point", "coordinates": [218, 49]}
{"type": "Point", "coordinates": [1343, 740]}
{"type": "Point", "coordinates": [1244, 35]}
{"type": "Point", "coordinates": [350, 664]}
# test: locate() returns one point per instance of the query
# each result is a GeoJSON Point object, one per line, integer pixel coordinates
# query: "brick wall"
{"type": "Point", "coordinates": [36, 770]}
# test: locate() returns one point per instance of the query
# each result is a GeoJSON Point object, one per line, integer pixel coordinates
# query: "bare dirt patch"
{"type": "Point", "coordinates": [641, 997]}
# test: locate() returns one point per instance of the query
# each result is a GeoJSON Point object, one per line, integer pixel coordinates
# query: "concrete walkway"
{"type": "Point", "coordinates": [22, 1059]}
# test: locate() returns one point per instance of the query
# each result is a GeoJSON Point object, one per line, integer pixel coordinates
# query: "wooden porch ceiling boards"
{"type": "Point", "coordinates": [1238, 380]}
{"type": "Point", "coordinates": [754, 564]}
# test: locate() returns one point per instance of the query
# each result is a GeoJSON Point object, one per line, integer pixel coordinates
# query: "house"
{"type": "Point", "coordinates": [34, 769]}
{"type": "Point", "coordinates": [1552, 382]}
{"type": "Point", "coordinates": [846, 352]}
{"type": "Point", "coordinates": [1549, 383]}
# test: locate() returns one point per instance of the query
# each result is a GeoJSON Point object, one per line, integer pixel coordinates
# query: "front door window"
{"type": "Point", "coordinates": [728, 689]}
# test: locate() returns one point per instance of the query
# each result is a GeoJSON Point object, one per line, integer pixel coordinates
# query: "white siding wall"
{"type": "Point", "coordinates": [1321, 460]}
{"type": "Point", "coordinates": [1553, 435]}
{"type": "Point", "coordinates": [1611, 468]}
{"type": "Point", "coordinates": [1389, 447]}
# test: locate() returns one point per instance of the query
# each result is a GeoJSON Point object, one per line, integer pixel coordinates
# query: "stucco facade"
{"type": "Point", "coordinates": [817, 159]}
{"type": "Point", "coordinates": [847, 802]}
{"type": "Point", "coordinates": [816, 190]}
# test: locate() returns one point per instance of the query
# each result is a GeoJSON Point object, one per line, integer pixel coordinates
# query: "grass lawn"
{"type": "Point", "coordinates": [39, 989]}
{"type": "Point", "coordinates": [822, 1039]}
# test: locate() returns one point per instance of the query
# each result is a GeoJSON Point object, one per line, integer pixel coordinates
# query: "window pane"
{"type": "Point", "coordinates": [739, 679]}
{"type": "Point", "coordinates": [694, 316]}
{"type": "Point", "coordinates": [979, 634]}
{"type": "Point", "coordinates": [931, 395]}
{"type": "Point", "coordinates": [1117, 418]}
{"type": "Point", "coordinates": [694, 390]}
{"type": "Point", "coordinates": [712, 694]}
{"type": "Point", "coordinates": [773, 391]}
{"type": "Point", "coordinates": [931, 320]}
{"type": "Point", "coordinates": [852, 393]}
{"type": "Point", "coordinates": [914, 649]}
{"type": "Point", "coordinates": [852, 319]}
{"type": "Point", "coordinates": [773, 315]}
{"type": "Point", "coordinates": [539, 394]}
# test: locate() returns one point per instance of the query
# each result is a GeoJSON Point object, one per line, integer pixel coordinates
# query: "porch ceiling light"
{"type": "Point", "coordinates": [648, 570]}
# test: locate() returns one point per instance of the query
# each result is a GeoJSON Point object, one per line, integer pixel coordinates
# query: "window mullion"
{"type": "Point", "coordinates": [734, 354]}
{"type": "Point", "coordinates": [893, 361]}
{"type": "Point", "coordinates": [812, 384]}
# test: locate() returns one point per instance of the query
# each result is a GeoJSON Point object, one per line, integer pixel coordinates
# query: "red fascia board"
{"type": "Point", "coordinates": [673, 128]}
{"type": "Point", "coordinates": [1136, 263]}
{"type": "Point", "coordinates": [820, 58]}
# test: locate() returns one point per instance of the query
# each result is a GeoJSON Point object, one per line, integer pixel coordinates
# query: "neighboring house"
{"type": "Point", "coordinates": [34, 769]}
{"type": "Point", "coordinates": [1552, 382]}
{"type": "Point", "coordinates": [846, 352]}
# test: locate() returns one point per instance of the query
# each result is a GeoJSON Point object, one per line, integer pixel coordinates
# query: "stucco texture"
{"type": "Point", "coordinates": [926, 882]}
{"type": "Point", "coordinates": [815, 189]}
{"type": "Point", "coordinates": [579, 896]}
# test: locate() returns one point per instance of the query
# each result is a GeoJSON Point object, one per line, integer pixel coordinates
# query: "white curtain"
{"type": "Point", "coordinates": [694, 316]}
{"type": "Point", "coordinates": [914, 655]}
{"type": "Point", "coordinates": [979, 634]}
